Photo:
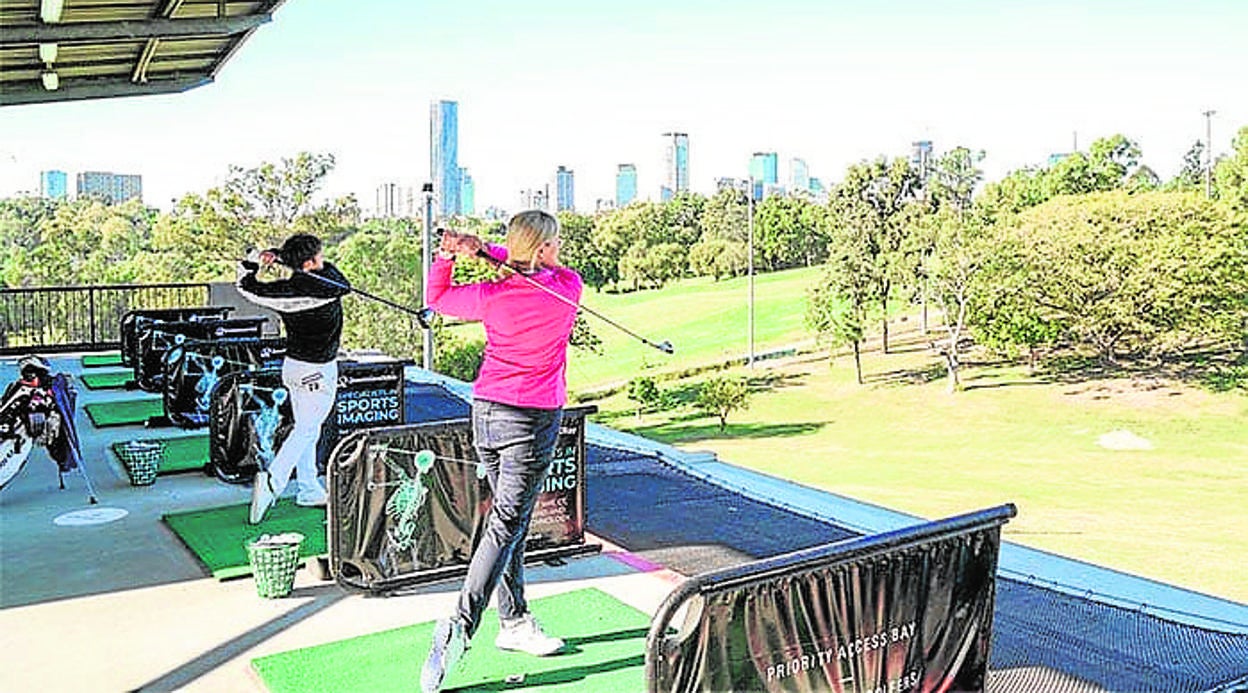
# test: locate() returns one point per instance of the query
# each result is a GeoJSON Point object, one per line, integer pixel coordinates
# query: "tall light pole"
{"type": "Point", "coordinates": [426, 260]}
{"type": "Point", "coordinates": [749, 362]}
{"type": "Point", "coordinates": [1209, 151]}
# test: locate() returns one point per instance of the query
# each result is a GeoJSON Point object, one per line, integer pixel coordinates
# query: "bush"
{"type": "Point", "coordinates": [723, 395]}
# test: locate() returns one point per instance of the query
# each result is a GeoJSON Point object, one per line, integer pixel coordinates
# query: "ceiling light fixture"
{"type": "Point", "coordinates": [51, 81]}
{"type": "Point", "coordinates": [47, 53]}
{"type": "Point", "coordinates": [50, 10]}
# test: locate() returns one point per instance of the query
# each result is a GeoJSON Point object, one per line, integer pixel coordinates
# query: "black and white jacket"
{"type": "Point", "coordinates": [311, 309]}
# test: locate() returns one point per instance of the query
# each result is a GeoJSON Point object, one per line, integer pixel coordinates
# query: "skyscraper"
{"type": "Point", "coordinates": [675, 165]}
{"type": "Point", "coordinates": [113, 188]}
{"type": "Point", "coordinates": [444, 157]}
{"type": "Point", "coordinates": [387, 200]}
{"type": "Point", "coordinates": [625, 185]}
{"type": "Point", "coordinates": [764, 170]}
{"type": "Point", "coordinates": [921, 158]}
{"type": "Point", "coordinates": [54, 184]}
{"type": "Point", "coordinates": [565, 194]}
{"type": "Point", "coordinates": [799, 174]}
{"type": "Point", "coordinates": [467, 193]}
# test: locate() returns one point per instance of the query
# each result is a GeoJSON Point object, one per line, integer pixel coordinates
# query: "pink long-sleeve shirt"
{"type": "Point", "coordinates": [526, 330]}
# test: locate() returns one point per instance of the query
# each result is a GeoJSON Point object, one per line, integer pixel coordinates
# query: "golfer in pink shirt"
{"type": "Point", "coordinates": [516, 411]}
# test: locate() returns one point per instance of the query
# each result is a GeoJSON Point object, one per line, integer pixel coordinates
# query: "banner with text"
{"type": "Point", "coordinates": [408, 504]}
{"type": "Point", "coordinates": [915, 618]}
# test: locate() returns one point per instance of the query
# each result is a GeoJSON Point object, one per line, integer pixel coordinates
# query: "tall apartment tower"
{"type": "Point", "coordinates": [764, 169]}
{"type": "Point", "coordinates": [799, 174]}
{"type": "Point", "coordinates": [444, 157]}
{"type": "Point", "coordinates": [625, 185]}
{"type": "Point", "coordinates": [54, 184]}
{"type": "Point", "coordinates": [921, 158]}
{"type": "Point", "coordinates": [467, 193]}
{"type": "Point", "coordinates": [675, 165]}
{"type": "Point", "coordinates": [113, 188]}
{"type": "Point", "coordinates": [565, 190]}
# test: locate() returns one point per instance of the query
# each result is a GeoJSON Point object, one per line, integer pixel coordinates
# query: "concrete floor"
{"type": "Point", "coordinates": [123, 605]}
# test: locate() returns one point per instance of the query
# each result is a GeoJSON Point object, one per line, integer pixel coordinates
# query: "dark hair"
{"type": "Point", "coordinates": [298, 249]}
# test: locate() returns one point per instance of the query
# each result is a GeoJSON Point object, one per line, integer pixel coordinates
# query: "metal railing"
{"type": "Point", "coordinates": [82, 318]}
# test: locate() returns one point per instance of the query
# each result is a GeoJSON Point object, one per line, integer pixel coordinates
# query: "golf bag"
{"type": "Point", "coordinates": [38, 409]}
{"type": "Point", "coordinates": [139, 320]}
{"type": "Point", "coordinates": [154, 339]}
{"type": "Point", "coordinates": [194, 368]}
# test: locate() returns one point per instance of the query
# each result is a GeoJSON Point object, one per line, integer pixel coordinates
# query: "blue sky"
{"type": "Point", "coordinates": [590, 85]}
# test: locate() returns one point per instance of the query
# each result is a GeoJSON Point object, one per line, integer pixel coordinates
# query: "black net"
{"type": "Point", "coordinates": [1043, 639]}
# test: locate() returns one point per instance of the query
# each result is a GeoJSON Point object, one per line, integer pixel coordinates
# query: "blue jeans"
{"type": "Point", "coordinates": [516, 445]}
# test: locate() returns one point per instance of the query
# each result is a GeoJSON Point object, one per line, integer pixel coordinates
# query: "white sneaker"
{"type": "Point", "coordinates": [449, 644]}
{"type": "Point", "coordinates": [262, 497]}
{"type": "Point", "coordinates": [315, 498]}
{"type": "Point", "coordinates": [524, 634]}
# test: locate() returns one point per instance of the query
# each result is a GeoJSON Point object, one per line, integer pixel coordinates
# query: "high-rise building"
{"type": "Point", "coordinates": [625, 185]}
{"type": "Point", "coordinates": [675, 165]}
{"type": "Point", "coordinates": [113, 188]}
{"type": "Point", "coordinates": [535, 198]}
{"type": "Point", "coordinates": [54, 184]}
{"type": "Point", "coordinates": [467, 193]}
{"type": "Point", "coordinates": [764, 169]}
{"type": "Point", "coordinates": [565, 191]}
{"type": "Point", "coordinates": [921, 158]}
{"type": "Point", "coordinates": [392, 200]}
{"type": "Point", "coordinates": [444, 157]}
{"type": "Point", "coordinates": [799, 175]}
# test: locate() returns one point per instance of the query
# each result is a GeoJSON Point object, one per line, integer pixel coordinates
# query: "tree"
{"type": "Point", "coordinates": [383, 259]}
{"type": "Point", "coordinates": [721, 396]}
{"type": "Point", "coordinates": [281, 193]}
{"type": "Point", "coordinates": [1231, 174]}
{"type": "Point", "coordinates": [718, 258]}
{"type": "Point", "coordinates": [870, 208]}
{"type": "Point", "coordinates": [645, 392]}
{"type": "Point", "coordinates": [955, 175]}
{"type": "Point", "coordinates": [1134, 275]}
{"type": "Point", "coordinates": [1191, 175]}
{"type": "Point", "coordinates": [836, 321]}
{"type": "Point", "coordinates": [956, 259]}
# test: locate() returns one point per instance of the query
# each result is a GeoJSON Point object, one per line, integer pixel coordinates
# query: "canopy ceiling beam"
{"type": "Point", "coordinates": [152, 28]}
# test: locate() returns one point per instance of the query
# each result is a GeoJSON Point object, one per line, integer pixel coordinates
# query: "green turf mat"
{"type": "Point", "coordinates": [218, 536]}
{"type": "Point", "coordinates": [181, 454]}
{"type": "Point", "coordinates": [605, 638]}
{"type": "Point", "coordinates": [100, 360]}
{"type": "Point", "coordinates": [121, 413]}
{"type": "Point", "coordinates": [106, 381]}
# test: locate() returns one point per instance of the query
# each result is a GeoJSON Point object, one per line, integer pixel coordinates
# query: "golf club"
{"type": "Point", "coordinates": [664, 346]}
{"type": "Point", "coordinates": [422, 315]}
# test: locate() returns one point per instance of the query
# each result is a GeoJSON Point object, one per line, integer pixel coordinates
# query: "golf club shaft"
{"type": "Point", "coordinates": [421, 315]}
{"type": "Point", "coordinates": [664, 347]}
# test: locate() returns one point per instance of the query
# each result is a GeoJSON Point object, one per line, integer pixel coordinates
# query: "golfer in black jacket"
{"type": "Point", "coordinates": [311, 310]}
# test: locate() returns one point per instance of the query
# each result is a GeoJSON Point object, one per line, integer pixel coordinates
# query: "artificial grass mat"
{"type": "Point", "coordinates": [605, 653]}
{"type": "Point", "coordinates": [180, 454]}
{"type": "Point", "coordinates": [218, 536]}
{"type": "Point", "coordinates": [100, 360]}
{"type": "Point", "coordinates": [107, 381]}
{"type": "Point", "coordinates": [124, 412]}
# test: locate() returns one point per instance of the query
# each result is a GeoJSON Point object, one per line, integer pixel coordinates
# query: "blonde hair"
{"type": "Point", "coordinates": [526, 233]}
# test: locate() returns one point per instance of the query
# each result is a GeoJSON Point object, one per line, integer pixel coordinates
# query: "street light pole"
{"type": "Point", "coordinates": [426, 261]}
{"type": "Point", "coordinates": [1209, 152]}
{"type": "Point", "coordinates": [750, 269]}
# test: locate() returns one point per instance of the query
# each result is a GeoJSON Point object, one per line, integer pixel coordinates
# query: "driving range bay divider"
{"type": "Point", "coordinates": [407, 504]}
{"type": "Point", "coordinates": [907, 610]}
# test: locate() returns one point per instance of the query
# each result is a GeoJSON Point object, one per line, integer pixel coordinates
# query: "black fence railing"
{"type": "Point", "coordinates": [82, 318]}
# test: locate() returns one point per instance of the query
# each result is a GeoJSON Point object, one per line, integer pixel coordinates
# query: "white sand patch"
{"type": "Point", "coordinates": [1123, 440]}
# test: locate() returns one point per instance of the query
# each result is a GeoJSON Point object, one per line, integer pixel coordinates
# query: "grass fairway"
{"type": "Point", "coordinates": [1175, 512]}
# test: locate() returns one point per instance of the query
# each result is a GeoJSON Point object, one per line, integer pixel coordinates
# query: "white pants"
{"type": "Point", "coordinates": [313, 388]}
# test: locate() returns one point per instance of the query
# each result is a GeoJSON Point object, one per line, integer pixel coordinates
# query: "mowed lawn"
{"type": "Point", "coordinates": [1175, 512]}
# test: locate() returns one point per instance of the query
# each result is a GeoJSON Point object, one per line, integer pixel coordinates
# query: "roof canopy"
{"type": "Point", "coordinates": [64, 50]}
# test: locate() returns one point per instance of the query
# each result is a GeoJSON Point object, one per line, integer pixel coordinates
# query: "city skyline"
{"type": "Point", "coordinates": [828, 83]}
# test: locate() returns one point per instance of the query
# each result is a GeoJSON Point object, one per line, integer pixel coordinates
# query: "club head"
{"type": "Point", "coordinates": [665, 347]}
{"type": "Point", "coordinates": [424, 318]}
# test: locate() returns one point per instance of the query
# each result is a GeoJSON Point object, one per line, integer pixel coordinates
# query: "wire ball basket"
{"type": "Point", "coordinates": [141, 459]}
{"type": "Point", "coordinates": [274, 560]}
